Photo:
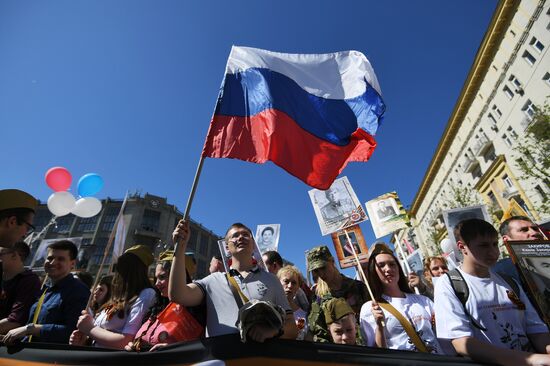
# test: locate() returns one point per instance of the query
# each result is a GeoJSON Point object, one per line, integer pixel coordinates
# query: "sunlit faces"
{"type": "Point", "coordinates": [16, 229]}
{"type": "Point", "coordinates": [523, 230]}
{"type": "Point", "coordinates": [162, 276]}
{"type": "Point", "coordinates": [482, 251]}
{"type": "Point", "coordinates": [239, 240]}
{"type": "Point", "coordinates": [290, 284]}
{"type": "Point", "coordinates": [100, 293]}
{"type": "Point", "coordinates": [387, 269]}
{"type": "Point", "coordinates": [58, 264]}
{"type": "Point", "coordinates": [343, 330]}
{"type": "Point", "coordinates": [438, 267]}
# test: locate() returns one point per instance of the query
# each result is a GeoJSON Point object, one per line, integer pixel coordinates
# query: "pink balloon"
{"type": "Point", "coordinates": [58, 179]}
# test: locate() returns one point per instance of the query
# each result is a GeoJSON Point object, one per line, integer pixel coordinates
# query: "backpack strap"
{"type": "Point", "coordinates": [462, 292]}
{"type": "Point", "coordinates": [409, 329]}
{"type": "Point", "coordinates": [240, 298]}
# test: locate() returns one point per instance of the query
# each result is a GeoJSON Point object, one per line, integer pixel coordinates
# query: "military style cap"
{"type": "Point", "coordinates": [335, 309]}
{"type": "Point", "coordinates": [142, 252]}
{"type": "Point", "coordinates": [379, 247]}
{"type": "Point", "coordinates": [166, 256]}
{"type": "Point", "coordinates": [14, 198]}
{"type": "Point", "coordinates": [318, 257]}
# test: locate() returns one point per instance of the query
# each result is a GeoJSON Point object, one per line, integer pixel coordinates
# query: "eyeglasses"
{"type": "Point", "coordinates": [30, 227]}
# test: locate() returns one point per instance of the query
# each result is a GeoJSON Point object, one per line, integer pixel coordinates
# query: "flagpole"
{"type": "Point", "coordinates": [405, 262]}
{"type": "Point", "coordinates": [361, 271]}
{"type": "Point", "coordinates": [191, 195]}
{"type": "Point", "coordinates": [105, 252]}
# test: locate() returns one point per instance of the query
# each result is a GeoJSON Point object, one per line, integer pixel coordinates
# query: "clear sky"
{"type": "Point", "coordinates": [126, 89]}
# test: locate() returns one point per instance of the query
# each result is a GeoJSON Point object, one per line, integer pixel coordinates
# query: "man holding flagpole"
{"type": "Point", "coordinates": [222, 300]}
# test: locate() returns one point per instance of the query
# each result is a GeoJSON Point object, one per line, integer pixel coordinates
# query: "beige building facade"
{"type": "Point", "coordinates": [475, 161]}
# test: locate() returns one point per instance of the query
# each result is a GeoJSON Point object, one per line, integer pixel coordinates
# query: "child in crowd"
{"type": "Point", "coordinates": [341, 322]}
{"type": "Point", "coordinates": [494, 324]}
{"type": "Point", "coordinates": [291, 279]}
{"type": "Point", "coordinates": [101, 294]}
{"type": "Point", "coordinates": [122, 316]}
{"type": "Point", "coordinates": [397, 319]}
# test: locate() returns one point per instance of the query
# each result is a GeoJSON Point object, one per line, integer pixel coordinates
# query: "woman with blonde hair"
{"type": "Point", "coordinates": [291, 279]}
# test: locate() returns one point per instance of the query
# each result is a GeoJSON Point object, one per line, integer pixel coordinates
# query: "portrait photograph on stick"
{"type": "Point", "coordinates": [387, 214]}
{"type": "Point", "coordinates": [267, 237]}
{"type": "Point", "coordinates": [532, 258]}
{"type": "Point", "coordinates": [338, 207]}
{"type": "Point", "coordinates": [343, 246]}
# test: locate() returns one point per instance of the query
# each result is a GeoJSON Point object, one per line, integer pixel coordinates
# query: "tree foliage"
{"type": "Point", "coordinates": [533, 158]}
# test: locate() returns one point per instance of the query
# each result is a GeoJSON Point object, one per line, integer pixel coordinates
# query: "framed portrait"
{"type": "Point", "coordinates": [454, 216]}
{"type": "Point", "coordinates": [338, 207]}
{"type": "Point", "coordinates": [226, 255]}
{"type": "Point", "coordinates": [387, 214]}
{"type": "Point", "coordinates": [41, 251]}
{"type": "Point", "coordinates": [344, 248]}
{"type": "Point", "coordinates": [416, 262]}
{"type": "Point", "coordinates": [267, 237]}
{"type": "Point", "coordinates": [532, 258]}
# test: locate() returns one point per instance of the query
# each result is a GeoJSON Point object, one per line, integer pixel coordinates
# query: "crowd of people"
{"type": "Point", "coordinates": [478, 309]}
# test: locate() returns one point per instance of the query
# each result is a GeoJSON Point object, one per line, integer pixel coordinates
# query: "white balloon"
{"type": "Point", "coordinates": [87, 207]}
{"type": "Point", "coordinates": [61, 203]}
{"type": "Point", "coordinates": [447, 246]}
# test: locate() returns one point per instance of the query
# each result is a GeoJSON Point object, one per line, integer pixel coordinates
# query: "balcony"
{"type": "Point", "coordinates": [509, 192]}
{"type": "Point", "coordinates": [470, 163]}
{"type": "Point", "coordinates": [481, 145]}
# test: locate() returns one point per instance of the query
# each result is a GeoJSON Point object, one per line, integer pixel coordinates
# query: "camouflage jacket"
{"type": "Point", "coordinates": [356, 294]}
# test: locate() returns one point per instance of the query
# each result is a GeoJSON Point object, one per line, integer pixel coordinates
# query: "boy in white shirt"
{"type": "Point", "coordinates": [495, 324]}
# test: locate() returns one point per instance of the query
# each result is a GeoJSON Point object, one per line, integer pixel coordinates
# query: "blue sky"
{"type": "Point", "coordinates": [127, 88]}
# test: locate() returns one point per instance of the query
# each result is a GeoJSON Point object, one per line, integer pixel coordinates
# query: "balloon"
{"type": "Point", "coordinates": [87, 207]}
{"type": "Point", "coordinates": [447, 246]}
{"type": "Point", "coordinates": [61, 203]}
{"type": "Point", "coordinates": [58, 178]}
{"type": "Point", "coordinates": [89, 184]}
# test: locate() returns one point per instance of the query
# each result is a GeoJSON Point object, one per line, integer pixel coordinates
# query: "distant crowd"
{"type": "Point", "coordinates": [478, 309]}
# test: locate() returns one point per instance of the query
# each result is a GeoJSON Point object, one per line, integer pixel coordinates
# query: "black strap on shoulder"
{"type": "Point", "coordinates": [511, 282]}
{"type": "Point", "coordinates": [462, 292]}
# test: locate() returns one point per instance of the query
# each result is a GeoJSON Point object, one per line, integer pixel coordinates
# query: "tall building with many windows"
{"type": "Point", "coordinates": [149, 220]}
{"type": "Point", "coordinates": [476, 160]}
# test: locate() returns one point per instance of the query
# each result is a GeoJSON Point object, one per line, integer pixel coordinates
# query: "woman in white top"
{"type": "Point", "coordinates": [132, 296]}
{"type": "Point", "coordinates": [389, 285]}
{"type": "Point", "coordinates": [291, 279]}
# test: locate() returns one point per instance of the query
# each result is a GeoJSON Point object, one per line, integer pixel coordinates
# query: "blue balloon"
{"type": "Point", "coordinates": [89, 184]}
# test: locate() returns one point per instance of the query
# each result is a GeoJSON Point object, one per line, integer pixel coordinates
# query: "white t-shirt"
{"type": "Point", "coordinates": [129, 324]}
{"type": "Point", "coordinates": [488, 303]}
{"type": "Point", "coordinates": [418, 309]}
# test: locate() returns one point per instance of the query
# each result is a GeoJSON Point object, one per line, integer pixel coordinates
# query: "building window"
{"type": "Point", "coordinates": [541, 192]}
{"type": "Point", "coordinates": [512, 133]}
{"type": "Point", "coordinates": [537, 45]}
{"type": "Point", "coordinates": [63, 224]}
{"type": "Point", "coordinates": [87, 224]}
{"type": "Point", "coordinates": [489, 155]}
{"type": "Point", "coordinates": [508, 92]}
{"type": "Point", "coordinates": [150, 221]}
{"type": "Point", "coordinates": [507, 181]}
{"type": "Point", "coordinates": [514, 80]}
{"type": "Point", "coordinates": [492, 198]}
{"type": "Point", "coordinates": [110, 217]}
{"type": "Point", "coordinates": [497, 111]}
{"type": "Point", "coordinates": [529, 58]}
{"type": "Point", "coordinates": [529, 109]}
{"type": "Point", "coordinates": [546, 78]}
{"type": "Point", "coordinates": [492, 119]}
{"type": "Point", "coordinates": [41, 219]}
{"type": "Point", "coordinates": [507, 140]}
{"type": "Point", "coordinates": [476, 173]}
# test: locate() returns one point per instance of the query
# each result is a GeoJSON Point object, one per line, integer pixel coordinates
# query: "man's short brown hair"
{"type": "Point", "coordinates": [469, 229]}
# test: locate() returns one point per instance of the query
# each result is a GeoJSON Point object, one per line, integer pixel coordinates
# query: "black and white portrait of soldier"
{"type": "Point", "coordinates": [385, 210]}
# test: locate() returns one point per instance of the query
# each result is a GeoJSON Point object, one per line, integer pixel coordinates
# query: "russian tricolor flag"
{"type": "Point", "coordinates": [308, 113]}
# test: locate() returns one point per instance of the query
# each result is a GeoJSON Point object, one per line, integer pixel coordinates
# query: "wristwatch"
{"type": "Point", "coordinates": [29, 328]}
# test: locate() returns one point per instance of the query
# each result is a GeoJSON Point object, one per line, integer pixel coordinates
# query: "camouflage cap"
{"type": "Point", "coordinates": [318, 257]}
{"type": "Point", "coordinates": [14, 198]}
{"type": "Point", "coordinates": [335, 309]}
